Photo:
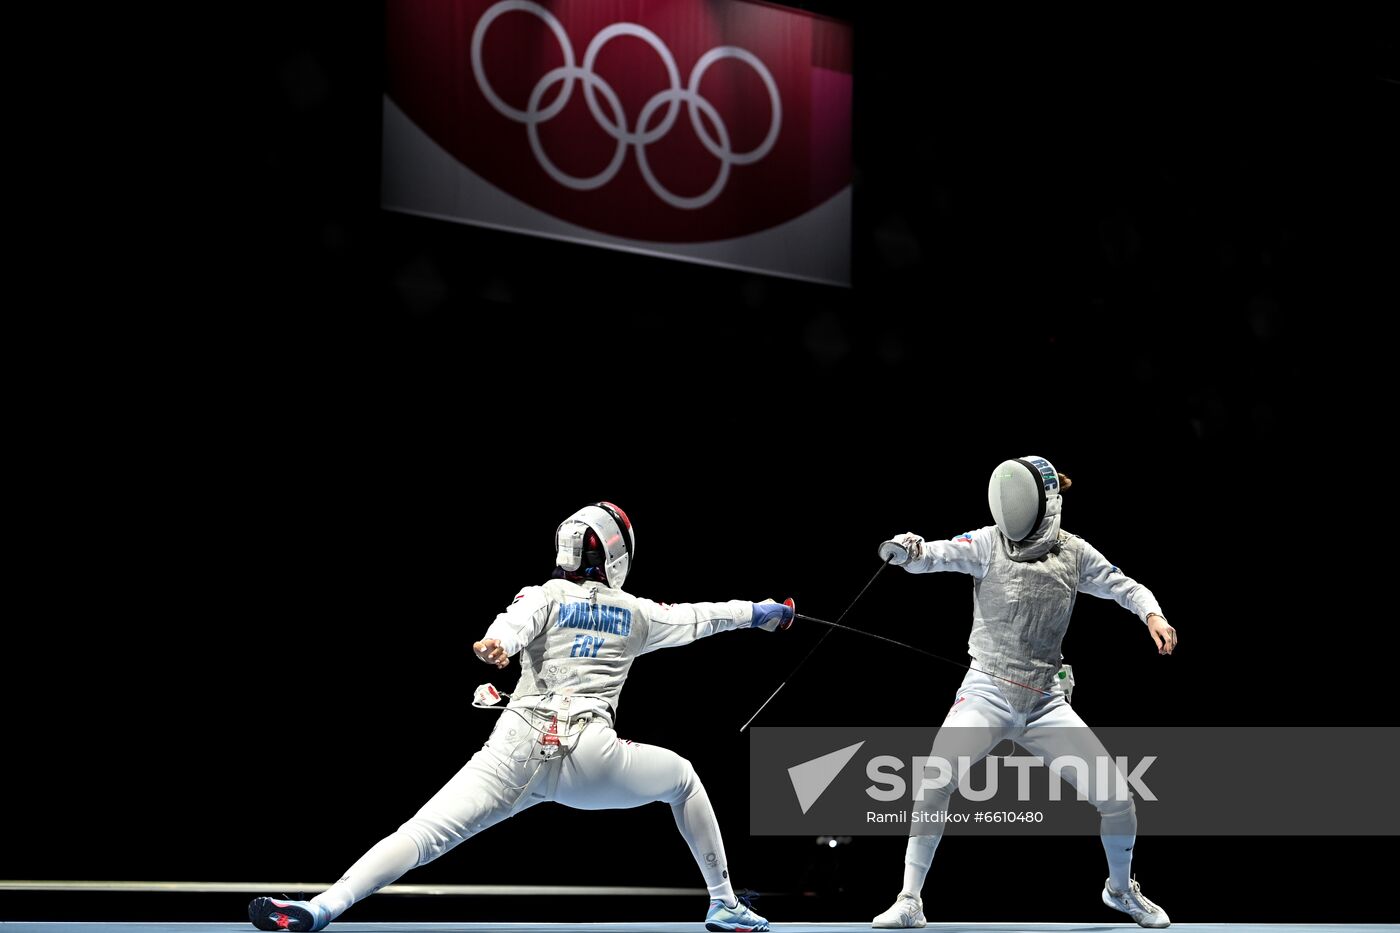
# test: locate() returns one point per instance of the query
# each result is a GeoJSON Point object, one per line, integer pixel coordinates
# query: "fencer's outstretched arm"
{"type": "Point", "coordinates": [673, 625]}
{"type": "Point", "coordinates": [1098, 577]}
{"type": "Point", "coordinates": [523, 619]}
{"type": "Point", "coordinates": [969, 553]}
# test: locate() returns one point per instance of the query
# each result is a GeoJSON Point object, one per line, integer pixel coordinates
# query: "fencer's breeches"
{"type": "Point", "coordinates": [583, 764]}
{"type": "Point", "coordinates": [981, 718]}
{"type": "Point", "coordinates": [590, 769]}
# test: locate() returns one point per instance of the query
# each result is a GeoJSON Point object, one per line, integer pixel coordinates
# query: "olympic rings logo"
{"type": "Point", "coordinates": [616, 124]}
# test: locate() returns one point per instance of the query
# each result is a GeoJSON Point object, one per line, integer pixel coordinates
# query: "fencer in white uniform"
{"type": "Point", "coordinates": [575, 638]}
{"type": "Point", "coordinates": [1026, 572]}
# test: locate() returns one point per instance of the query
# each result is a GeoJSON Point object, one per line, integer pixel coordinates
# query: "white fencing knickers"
{"type": "Point", "coordinates": [585, 766]}
{"type": "Point", "coordinates": [980, 718]}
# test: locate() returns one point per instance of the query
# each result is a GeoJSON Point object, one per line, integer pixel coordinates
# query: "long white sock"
{"type": "Point", "coordinates": [1118, 833]}
{"type": "Point", "coordinates": [387, 861]}
{"type": "Point", "coordinates": [1119, 850]}
{"type": "Point", "coordinates": [695, 818]}
{"type": "Point", "coordinates": [918, 856]}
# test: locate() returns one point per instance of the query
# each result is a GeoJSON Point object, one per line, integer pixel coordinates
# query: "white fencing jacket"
{"type": "Point", "coordinates": [1021, 608]}
{"type": "Point", "coordinates": [578, 640]}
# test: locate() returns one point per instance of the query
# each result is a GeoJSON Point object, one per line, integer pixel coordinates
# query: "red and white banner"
{"type": "Point", "coordinates": [717, 131]}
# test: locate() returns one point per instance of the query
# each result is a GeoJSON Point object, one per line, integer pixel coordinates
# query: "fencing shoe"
{"type": "Point", "coordinates": [271, 914]}
{"type": "Point", "coordinates": [739, 919]}
{"type": "Point", "coordinates": [1132, 903]}
{"type": "Point", "coordinates": [906, 914]}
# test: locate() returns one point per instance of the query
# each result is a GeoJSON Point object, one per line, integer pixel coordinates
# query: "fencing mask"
{"type": "Point", "coordinates": [597, 537]}
{"type": "Point", "coordinates": [1022, 492]}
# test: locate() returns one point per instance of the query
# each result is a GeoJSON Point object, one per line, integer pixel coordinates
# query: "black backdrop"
{"type": "Point", "coordinates": [286, 455]}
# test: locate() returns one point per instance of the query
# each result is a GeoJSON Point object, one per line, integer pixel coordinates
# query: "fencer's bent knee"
{"type": "Point", "coordinates": [1118, 817]}
{"type": "Point", "coordinates": [434, 835]}
{"type": "Point", "coordinates": [1114, 807]}
{"type": "Point", "coordinates": [687, 781]}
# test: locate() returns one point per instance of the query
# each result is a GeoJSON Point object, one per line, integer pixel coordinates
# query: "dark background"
{"type": "Point", "coordinates": [285, 455]}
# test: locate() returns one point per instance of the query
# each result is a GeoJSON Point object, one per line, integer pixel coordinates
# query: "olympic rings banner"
{"type": "Point", "coordinates": [715, 131]}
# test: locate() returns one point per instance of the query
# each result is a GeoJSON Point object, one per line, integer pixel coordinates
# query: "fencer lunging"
{"type": "Point", "coordinates": [576, 637]}
{"type": "Point", "coordinates": [1026, 572]}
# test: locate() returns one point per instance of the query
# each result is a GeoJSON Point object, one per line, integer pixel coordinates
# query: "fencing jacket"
{"type": "Point", "coordinates": [577, 641]}
{"type": "Point", "coordinates": [1021, 604]}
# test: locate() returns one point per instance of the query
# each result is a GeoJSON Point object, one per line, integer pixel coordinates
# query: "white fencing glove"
{"type": "Point", "coordinates": [901, 549]}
